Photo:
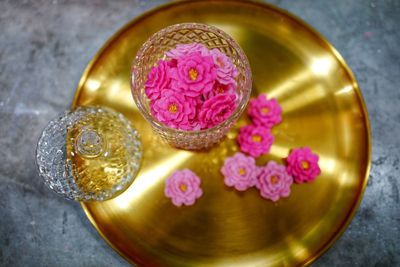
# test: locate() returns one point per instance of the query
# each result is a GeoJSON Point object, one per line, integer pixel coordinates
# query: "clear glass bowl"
{"type": "Point", "coordinates": [89, 154]}
{"type": "Point", "coordinates": [154, 49]}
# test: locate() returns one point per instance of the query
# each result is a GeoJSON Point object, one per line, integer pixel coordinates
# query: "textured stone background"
{"type": "Point", "coordinates": [45, 46]}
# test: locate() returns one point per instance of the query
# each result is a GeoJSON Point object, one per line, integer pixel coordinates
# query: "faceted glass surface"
{"type": "Point", "coordinates": [155, 48]}
{"type": "Point", "coordinates": [89, 154]}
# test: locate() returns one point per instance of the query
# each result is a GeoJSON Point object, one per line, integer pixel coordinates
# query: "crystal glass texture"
{"type": "Point", "coordinates": [89, 154]}
{"type": "Point", "coordinates": [154, 49]}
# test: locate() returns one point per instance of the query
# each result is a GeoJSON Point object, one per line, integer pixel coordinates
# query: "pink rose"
{"type": "Point", "coordinates": [255, 140]}
{"type": "Point", "coordinates": [174, 109]}
{"type": "Point", "coordinates": [303, 165]}
{"type": "Point", "coordinates": [184, 49]}
{"type": "Point", "coordinates": [183, 187]}
{"type": "Point", "coordinates": [216, 110]}
{"type": "Point", "coordinates": [265, 112]}
{"type": "Point", "coordinates": [226, 71]}
{"type": "Point", "coordinates": [273, 181]}
{"type": "Point", "coordinates": [221, 89]}
{"type": "Point", "coordinates": [194, 75]}
{"type": "Point", "coordinates": [157, 79]}
{"type": "Point", "coordinates": [240, 171]}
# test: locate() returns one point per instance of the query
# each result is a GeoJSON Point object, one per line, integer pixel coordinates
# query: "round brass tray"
{"type": "Point", "coordinates": [323, 108]}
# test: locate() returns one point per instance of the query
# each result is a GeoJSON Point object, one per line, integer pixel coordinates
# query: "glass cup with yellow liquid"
{"type": "Point", "coordinates": [89, 154]}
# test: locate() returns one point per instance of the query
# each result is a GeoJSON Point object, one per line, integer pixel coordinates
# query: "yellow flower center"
{"type": "Point", "coordinates": [264, 111]}
{"type": "Point", "coordinates": [305, 165]}
{"type": "Point", "coordinates": [183, 187]}
{"type": "Point", "coordinates": [274, 179]}
{"type": "Point", "coordinates": [220, 63]}
{"type": "Point", "coordinates": [242, 171]}
{"type": "Point", "coordinates": [256, 138]}
{"type": "Point", "coordinates": [220, 89]}
{"type": "Point", "coordinates": [193, 74]}
{"type": "Point", "coordinates": [173, 108]}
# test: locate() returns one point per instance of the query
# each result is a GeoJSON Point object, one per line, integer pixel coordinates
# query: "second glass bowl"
{"type": "Point", "coordinates": [155, 48]}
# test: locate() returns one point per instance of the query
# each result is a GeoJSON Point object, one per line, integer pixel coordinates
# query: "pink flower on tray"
{"type": "Point", "coordinates": [265, 112]}
{"type": "Point", "coordinates": [194, 75]}
{"type": "Point", "coordinates": [255, 140]}
{"type": "Point", "coordinates": [174, 110]}
{"type": "Point", "coordinates": [157, 80]}
{"type": "Point", "coordinates": [240, 171]}
{"type": "Point", "coordinates": [302, 164]}
{"type": "Point", "coordinates": [183, 188]}
{"type": "Point", "coordinates": [273, 181]}
{"type": "Point", "coordinates": [216, 110]}
{"type": "Point", "coordinates": [184, 49]}
{"type": "Point", "coordinates": [226, 71]}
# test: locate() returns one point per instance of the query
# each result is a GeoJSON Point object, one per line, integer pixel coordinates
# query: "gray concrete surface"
{"type": "Point", "coordinates": [41, 61]}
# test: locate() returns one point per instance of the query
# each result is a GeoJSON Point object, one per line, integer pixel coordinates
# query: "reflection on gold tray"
{"type": "Point", "coordinates": [323, 108]}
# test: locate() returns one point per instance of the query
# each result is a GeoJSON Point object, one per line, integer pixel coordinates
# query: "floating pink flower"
{"type": "Point", "coordinates": [265, 112]}
{"type": "Point", "coordinates": [157, 80]}
{"type": "Point", "coordinates": [184, 49]}
{"type": "Point", "coordinates": [302, 164]}
{"type": "Point", "coordinates": [240, 172]}
{"type": "Point", "coordinates": [255, 140]}
{"type": "Point", "coordinates": [174, 109]}
{"type": "Point", "coordinates": [183, 187]}
{"type": "Point", "coordinates": [194, 75]}
{"type": "Point", "coordinates": [219, 89]}
{"type": "Point", "coordinates": [273, 181]}
{"type": "Point", "coordinates": [216, 109]}
{"type": "Point", "coordinates": [226, 71]}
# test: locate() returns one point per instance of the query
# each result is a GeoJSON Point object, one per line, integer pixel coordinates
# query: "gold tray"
{"type": "Point", "coordinates": [323, 108]}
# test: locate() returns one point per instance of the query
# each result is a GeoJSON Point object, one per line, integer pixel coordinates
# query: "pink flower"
{"type": "Point", "coordinates": [194, 75]}
{"type": "Point", "coordinates": [183, 187]}
{"type": "Point", "coordinates": [157, 79]}
{"type": "Point", "coordinates": [226, 71]}
{"type": "Point", "coordinates": [216, 110]}
{"type": "Point", "coordinates": [174, 109]}
{"type": "Point", "coordinates": [265, 112]}
{"type": "Point", "coordinates": [273, 181]}
{"type": "Point", "coordinates": [303, 165]}
{"type": "Point", "coordinates": [240, 171]}
{"type": "Point", "coordinates": [184, 49]}
{"type": "Point", "coordinates": [221, 89]}
{"type": "Point", "coordinates": [255, 140]}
